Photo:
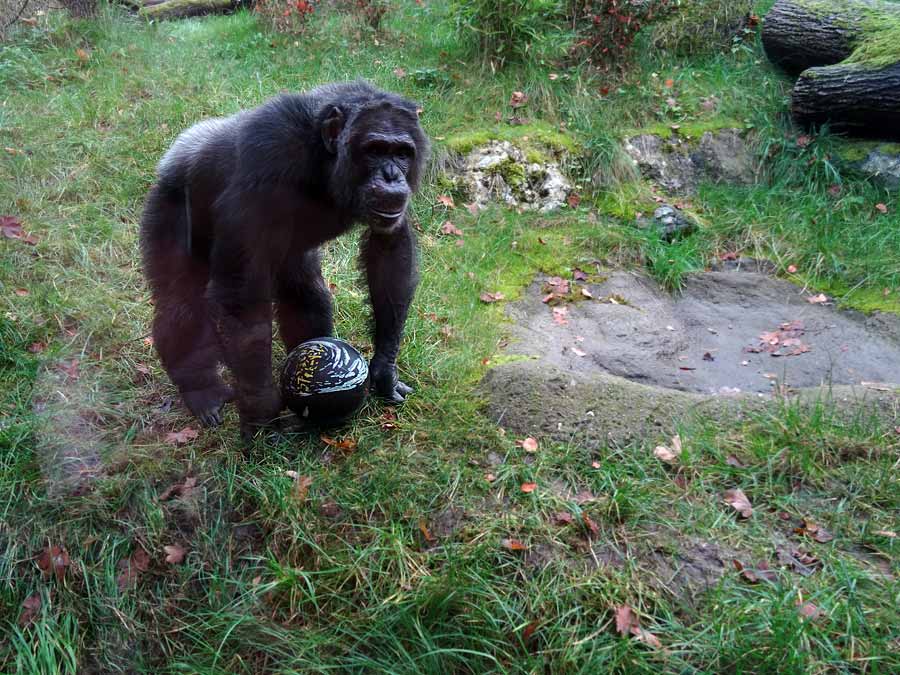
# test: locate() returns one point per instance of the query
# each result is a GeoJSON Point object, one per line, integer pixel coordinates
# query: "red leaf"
{"type": "Point", "coordinates": [528, 487]}
{"type": "Point", "coordinates": [669, 83]}
{"type": "Point", "coordinates": [529, 630]}
{"type": "Point", "coordinates": [590, 524]}
{"type": "Point", "coordinates": [882, 208]}
{"type": "Point", "coordinates": [563, 518]}
{"type": "Point", "coordinates": [181, 437]}
{"type": "Point", "coordinates": [578, 275]}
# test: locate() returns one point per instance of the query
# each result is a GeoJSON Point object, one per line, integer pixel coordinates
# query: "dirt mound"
{"type": "Point", "coordinates": [635, 358]}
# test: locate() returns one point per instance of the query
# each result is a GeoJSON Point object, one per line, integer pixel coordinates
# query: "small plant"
{"type": "Point", "coordinates": [285, 16]}
{"type": "Point", "coordinates": [506, 30]}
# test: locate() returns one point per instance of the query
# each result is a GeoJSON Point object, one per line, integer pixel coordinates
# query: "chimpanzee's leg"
{"type": "Point", "coordinates": [304, 302]}
{"type": "Point", "coordinates": [183, 332]}
{"type": "Point", "coordinates": [389, 260]}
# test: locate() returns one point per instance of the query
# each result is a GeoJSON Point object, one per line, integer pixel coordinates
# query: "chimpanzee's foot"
{"type": "Point", "coordinates": [206, 404]}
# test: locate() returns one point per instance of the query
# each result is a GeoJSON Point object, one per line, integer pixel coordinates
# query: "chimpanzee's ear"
{"type": "Point", "coordinates": [331, 129]}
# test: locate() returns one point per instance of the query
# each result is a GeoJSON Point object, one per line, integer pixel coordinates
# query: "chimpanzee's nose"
{"type": "Point", "coordinates": [390, 172]}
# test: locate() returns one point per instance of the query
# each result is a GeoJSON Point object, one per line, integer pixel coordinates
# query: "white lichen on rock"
{"type": "Point", "coordinates": [501, 171]}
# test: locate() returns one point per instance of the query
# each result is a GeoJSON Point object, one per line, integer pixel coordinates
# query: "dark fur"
{"type": "Point", "coordinates": [234, 223]}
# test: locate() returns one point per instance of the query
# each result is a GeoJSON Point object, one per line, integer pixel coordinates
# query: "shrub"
{"type": "Point", "coordinates": [606, 29]}
{"type": "Point", "coordinates": [702, 25]}
{"type": "Point", "coordinates": [285, 16]}
{"type": "Point", "coordinates": [506, 30]}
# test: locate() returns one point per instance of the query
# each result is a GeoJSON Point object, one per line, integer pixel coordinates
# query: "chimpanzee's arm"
{"type": "Point", "coordinates": [390, 264]}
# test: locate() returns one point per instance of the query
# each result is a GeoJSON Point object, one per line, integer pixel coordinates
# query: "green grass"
{"type": "Point", "coordinates": [346, 579]}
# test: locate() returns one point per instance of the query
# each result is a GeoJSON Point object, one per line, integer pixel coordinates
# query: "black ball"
{"type": "Point", "coordinates": [324, 380]}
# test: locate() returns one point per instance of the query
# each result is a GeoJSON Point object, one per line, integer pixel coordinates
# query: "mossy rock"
{"type": "Point", "coordinates": [540, 142]}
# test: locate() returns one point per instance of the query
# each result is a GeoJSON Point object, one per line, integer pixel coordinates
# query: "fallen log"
{"type": "Point", "coordinates": [801, 34]}
{"type": "Point", "coordinates": [180, 9]}
{"type": "Point", "coordinates": [851, 97]}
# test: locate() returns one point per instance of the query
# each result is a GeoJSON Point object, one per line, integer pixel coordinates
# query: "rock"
{"type": "Point", "coordinates": [670, 222]}
{"type": "Point", "coordinates": [883, 168]}
{"type": "Point", "coordinates": [501, 171]}
{"type": "Point", "coordinates": [678, 164]}
{"type": "Point", "coordinates": [635, 360]}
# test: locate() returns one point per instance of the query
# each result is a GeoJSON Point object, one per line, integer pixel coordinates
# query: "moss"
{"type": "Point", "coordinates": [536, 140]}
{"type": "Point", "coordinates": [878, 41]}
{"type": "Point", "coordinates": [866, 300]}
{"type": "Point", "coordinates": [688, 130]}
{"type": "Point", "coordinates": [511, 171]}
{"type": "Point", "coordinates": [857, 151]}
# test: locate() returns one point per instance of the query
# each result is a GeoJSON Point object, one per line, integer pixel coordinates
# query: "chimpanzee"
{"type": "Point", "coordinates": [234, 223]}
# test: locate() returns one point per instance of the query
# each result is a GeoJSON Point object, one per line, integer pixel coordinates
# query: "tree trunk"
{"type": "Point", "coordinates": [179, 9]}
{"type": "Point", "coordinates": [851, 98]}
{"type": "Point", "coordinates": [801, 34]}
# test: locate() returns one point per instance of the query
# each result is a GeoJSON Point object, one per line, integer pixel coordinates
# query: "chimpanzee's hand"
{"type": "Point", "coordinates": [385, 383]}
{"type": "Point", "coordinates": [259, 410]}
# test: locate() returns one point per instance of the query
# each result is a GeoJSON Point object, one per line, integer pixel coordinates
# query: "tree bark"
{"type": "Point", "coordinates": [179, 9]}
{"type": "Point", "coordinates": [851, 98]}
{"type": "Point", "coordinates": [801, 34]}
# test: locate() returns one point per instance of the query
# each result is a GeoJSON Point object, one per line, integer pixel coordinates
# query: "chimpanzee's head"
{"type": "Point", "coordinates": [379, 150]}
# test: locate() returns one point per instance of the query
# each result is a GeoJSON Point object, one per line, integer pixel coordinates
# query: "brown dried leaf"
{"type": "Point", "coordinates": [754, 575]}
{"type": "Point", "coordinates": [491, 297]}
{"type": "Point", "coordinates": [449, 228]}
{"type": "Point", "coordinates": [559, 315]}
{"type": "Point", "coordinates": [518, 99]}
{"type": "Point", "coordinates": [589, 523]}
{"type": "Point", "coordinates": [819, 299]}
{"type": "Point", "coordinates": [174, 554]}
{"type": "Point", "coordinates": [809, 611]}
{"type": "Point", "coordinates": [446, 200]}
{"type": "Point", "coordinates": [348, 444]}
{"type": "Point", "coordinates": [733, 460]}
{"type": "Point", "coordinates": [528, 487]}
{"type": "Point", "coordinates": [181, 437]}
{"type": "Point", "coordinates": [739, 502]}
{"type": "Point", "coordinates": [182, 489]}
{"type": "Point", "coordinates": [31, 607]}
{"type": "Point", "coordinates": [513, 545]}
{"type": "Point", "coordinates": [579, 275]}
{"type": "Point", "coordinates": [817, 532]}
{"type": "Point", "coordinates": [563, 518]}
{"type": "Point", "coordinates": [301, 488]}
{"type": "Point", "coordinates": [528, 444]}
{"type": "Point", "coordinates": [53, 561]}
{"type": "Point", "coordinates": [423, 528]}
{"type": "Point", "coordinates": [882, 208]}
{"type": "Point", "coordinates": [627, 624]}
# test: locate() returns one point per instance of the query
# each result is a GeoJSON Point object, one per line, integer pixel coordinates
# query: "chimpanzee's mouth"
{"type": "Point", "coordinates": [384, 215]}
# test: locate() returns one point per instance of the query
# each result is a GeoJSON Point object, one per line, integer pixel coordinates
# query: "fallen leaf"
{"type": "Point", "coordinates": [669, 83]}
{"type": "Point", "coordinates": [70, 368]}
{"type": "Point", "coordinates": [181, 437]}
{"type": "Point", "coordinates": [182, 489]}
{"type": "Point", "coordinates": [739, 502]}
{"type": "Point", "coordinates": [809, 611]}
{"type": "Point", "coordinates": [595, 464]}
{"type": "Point", "coordinates": [36, 347]}
{"type": "Point", "coordinates": [131, 568]}
{"type": "Point", "coordinates": [754, 575]}
{"type": "Point", "coordinates": [513, 545]}
{"type": "Point", "coordinates": [816, 532]}
{"type": "Point", "coordinates": [423, 528]}
{"type": "Point", "coordinates": [301, 488]}
{"type": "Point", "coordinates": [798, 561]}
{"type": "Point", "coordinates": [491, 297]}
{"type": "Point", "coordinates": [563, 518]}
{"type": "Point", "coordinates": [817, 299]}
{"type": "Point", "coordinates": [559, 315]}
{"type": "Point", "coordinates": [446, 200]}
{"type": "Point", "coordinates": [31, 606]}
{"type": "Point", "coordinates": [573, 200]}
{"type": "Point", "coordinates": [586, 293]}
{"type": "Point", "coordinates": [344, 444]}
{"type": "Point", "coordinates": [803, 140]}
{"type": "Point", "coordinates": [528, 487]}
{"type": "Point", "coordinates": [21, 292]}
{"type": "Point", "coordinates": [578, 275]}
{"type": "Point", "coordinates": [529, 444]}
{"type": "Point", "coordinates": [174, 554]}
{"type": "Point", "coordinates": [528, 631]}
{"type": "Point", "coordinates": [578, 352]}
{"type": "Point", "coordinates": [489, 477]}
{"type": "Point", "coordinates": [627, 624]}
{"type": "Point", "coordinates": [732, 460]}
{"type": "Point", "coordinates": [450, 228]}
{"type": "Point", "coordinates": [882, 208]}
{"type": "Point", "coordinates": [290, 473]}
{"type": "Point", "coordinates": [399, 72]}
{"type": "Point", "coordinates": [890, 534]}
{"type": "Point", "coordinates": [792, 269]}
{"type": "Point", "coordinates": [663, 453]}
{"type": "Point", "coordinates": [53, 562]}
{"type": "Point", "coordinates": [589, 523]}
{"type": "Point", "coordinates": [834, 190]}
{"type": "Point", "coordinates": [518, 99]}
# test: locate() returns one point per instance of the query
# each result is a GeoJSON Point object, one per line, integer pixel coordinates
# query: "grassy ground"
{"type": "Point", "coordinates": [394, 559]}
